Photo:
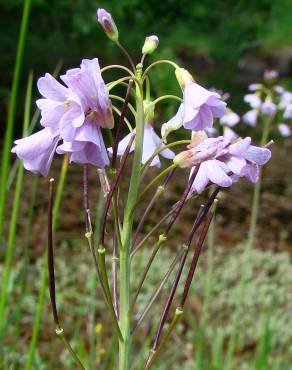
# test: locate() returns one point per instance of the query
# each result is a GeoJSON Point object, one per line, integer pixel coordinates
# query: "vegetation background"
{"type": "Point", "coordinates": [226, 44]}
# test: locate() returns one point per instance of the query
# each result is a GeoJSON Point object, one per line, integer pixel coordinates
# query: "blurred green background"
{"type": "Point", "coordinates": [226, 44]}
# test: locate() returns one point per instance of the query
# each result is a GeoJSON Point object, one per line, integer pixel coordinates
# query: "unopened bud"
{"type": "Point", "coordinates": [150, 44]}
{"type": "Point", "coordinates": [108, 24]}
{"type": "Point", "coordinates": [149, 111]}
{"type": "Point", "coordinates": [183, 77]}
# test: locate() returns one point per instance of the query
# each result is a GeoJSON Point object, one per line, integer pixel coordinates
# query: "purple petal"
{"type": "Point", "coordinates": [50, 88]}
{"type": "Point", "coordinates": [258, 155]}
{"type": "Point", "coordinates": [37, 151]}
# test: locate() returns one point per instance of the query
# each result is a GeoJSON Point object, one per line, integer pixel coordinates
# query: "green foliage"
{"type": "Point", "coordinates": [221, 30]}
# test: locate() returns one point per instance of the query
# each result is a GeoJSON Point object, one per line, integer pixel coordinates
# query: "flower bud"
{"type": "Point", "coordinates": [183, 77]}
{"type": "Point", "coordinates": [150, 44]}
{"type": "Point", "coordinates": [108, 24]}
{"type": "Point", "coordinates": [149, 111]}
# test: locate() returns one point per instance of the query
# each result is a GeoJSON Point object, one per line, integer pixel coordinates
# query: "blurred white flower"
{"type": "Point", "coordinates": [284, 129]}
{"type": "Point", "coordinates": [230, 119]}
{"type": "Point", "coordinates": [288, 111]}
{"type": "Point", "coordinates": [253, 100]}
{"type": "Point", "coordinates": [250, 117]}
{"type": "Point", "coordinates": [268, 107]}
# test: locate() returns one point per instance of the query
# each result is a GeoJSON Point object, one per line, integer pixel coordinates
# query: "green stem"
{"type": "Point", "coordinates": [125, 119]}
{"type": "Point", "coordinates": [11, 113]}
{"type": "Point", "coordinates": [174, 97]}
{"type": "Point", "coordinates": [154, 354]}
{"type": "Point", "coordinates": [257, 189]}
{"type": "Point", "coordinates": [117, 66]}
{"type": "Point", "coordinates": [157, 151]}
{"type": "Point", "coordinates": [116, 97]}
{"type": "Point", "coordinates": [61, 335]}
{"type": "Point", "coordinates": [164, 61]}
{"type": "Point", "coordinates": [153, 182]}
{"type": "Point", "coordinates": [125, 346]}
{"type": "Point", "coordinates": [44, 277]}
{"type": "Point", "coordinates": [161, 240]}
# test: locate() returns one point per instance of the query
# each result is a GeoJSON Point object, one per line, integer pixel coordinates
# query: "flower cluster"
{"type": "Point", "coordinates": [222, 162]}
{"type": "Point", "coordinates": [270, 100]}
{"type": "Point", "coordinates": [71, 114]}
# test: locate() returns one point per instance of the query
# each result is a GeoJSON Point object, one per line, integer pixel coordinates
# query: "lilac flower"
{"type": "Point", "coordinates": [229, 134]}
{"type": "Point", "coordinates": [151, 142]}
{"type": "Point", "coordinates": [254, 87]}
{"type": "Point", "coordinates": [60, 106]}
{"type": "Point", "coordinates": [288, 111]}
{"type": "Point", "coordinates": [200, 105]}
{"type": "Point", "coordinates": [253, 100]}
{"type": "Point", "coordinates": [73, 114]}
{"type": "Point", "coordinates": [279, 89]}
{"type": "Point", "coordinates": [212, 131]}
{"type": "Point", "coordinates": [271, 74]}
{"type": "Point", "coordinates": [173, 124]}
{"type": "Point", "coordinates": [268, 107]}
{"type": "Point", "coordinates": [37, 150]}
{"type": "Point", "coordinates": [286, 98]}
{"type": "Point", "coordinates": [284, 130]}
{"type": "Point", "coordinates": [222, 162]}
{"type": "Point", "coordinates": [108, 24]}
{"type": "Point", "coordinates": [87, 146]}
{"type": "Point", "coordinates": [244, 159]}
{"type": "Point", "coordinates": [86, 82]}
{"type": "Point", "coordinates": [250, 117]}
{"type": "Point", "coordinates": [230, 118]}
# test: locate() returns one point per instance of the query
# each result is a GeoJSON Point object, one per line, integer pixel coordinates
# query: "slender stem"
{"type": "Point", "coordinates": [101, 273]}
{"type": "Point", "coordinates": [51, 274]}
{"type": "Point", "coordinates": [116, 97]}
{"type": "Point", "coordinates": [127, 55]}
{"type": "Point", "coordinates": [159, 243]}
{"type": "Point", "coordinates": [99, 260]}
{"type": "Point", "coordinates": [113, 189]}
{"type": "Point", "coordinates": [13, 221]}
{"type": "Point", "coordinates": [157, 194]}
{"type": "Point", "coordinates": [199, 219]}
{"type": "Point", "coordinates": [85, 197]}
{"type": "Point", "coordinates": [154, 353]}
{"type": "Point", "coordinates": [125, 119]}
{"type": "Point", "coordinates": [44, 277]}
{"type": "Point", "coordinates": [157, 63]}
{"type": "Point", "coordinates": [154, 181]}
{"type": "Point", "coordinates": [158, 345]}
{"type": "Point", "coordinates": [146, 237]}
{"type": "Point", "coordinates": [111, 85]}
{"type": "Point", "coordinates": [6, 154]}
{"type": "Point", "coordinates": [117, 66]}
{"type": "Point", "coordinates": [115, 274]}
{"type": "Point", "coordinates": [61, 335]}
{"type": "Point", "coordinates": [51, 267]}
{"type": "Point", "coordinates": [125, 346]}
{"type": "Point", "coordinates": [173, 97]}
{"type": "Point", "coordinates": [121, 121]}
{"type": "Point", "coordinates": [159, 289]}
{"type": "Point", "coordinates": [182, 200]}
{"type": "Point", "coordinates": [195, 258]}
{"type": "Point", "coordinates": [164, 218]}
{"type": "Point", "coordinates": [257, 189]}
{"type": "Point", "coordinates": [171, 145]}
